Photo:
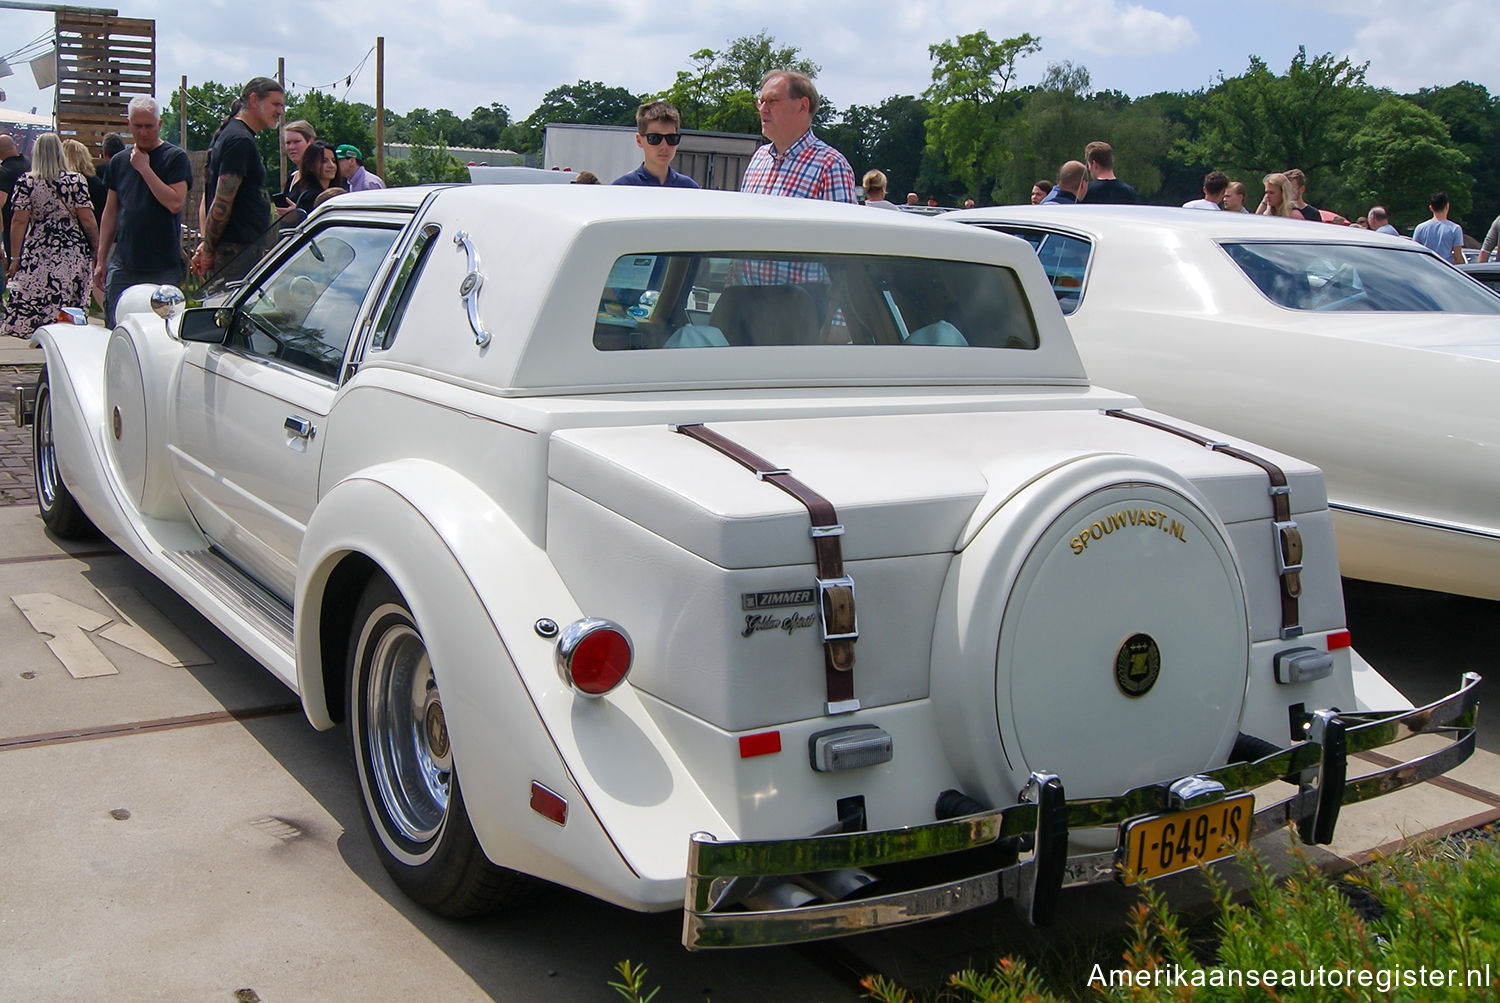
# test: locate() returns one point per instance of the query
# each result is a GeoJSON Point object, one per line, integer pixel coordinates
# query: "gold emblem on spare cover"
{"type": "Point", "coordinates": [1137, 665]}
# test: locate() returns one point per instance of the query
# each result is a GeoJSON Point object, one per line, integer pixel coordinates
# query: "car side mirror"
{"type": "Point", "coordinates": [207, 324]}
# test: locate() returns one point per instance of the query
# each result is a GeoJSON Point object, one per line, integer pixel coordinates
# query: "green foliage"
{"type": "Point", "coordinates": [975, 115]}
{"type": "Point", "coordinates": [718, 91]}
{"type": "Point", "coordinates": [1438, 917]}
{"type": "Point", "coordinates": [429, 162]}
{"type": "Point", "coordinates": [1400, 155]}
{"type": "Point", "coordinates": [207, 107]}
{"type": "Point", "coordinates": [1260, 122]}
{"type": "Point", "coordinates": [632, 984]}
{"type": "Point", "coordinates": [1473, 119]}
{"type": "Point", "coordinates": [586, 102]}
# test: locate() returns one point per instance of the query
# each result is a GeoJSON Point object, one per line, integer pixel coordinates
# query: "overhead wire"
{"type": "Point", "coordinates": [347, 80]}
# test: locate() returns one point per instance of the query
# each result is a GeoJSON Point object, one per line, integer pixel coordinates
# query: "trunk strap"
{"type": "Point", "coordinates": [1287, 538]}
{"type": "Point", "coordinates": [835, 592]}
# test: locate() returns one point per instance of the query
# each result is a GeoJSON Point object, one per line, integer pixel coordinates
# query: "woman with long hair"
{"type": "Point", "coordinates": [1279, 197]}
{"type": "Point", "coordinates": [53, 235]}
{"type": "Point", "coordinates": [299, 135]}
{"type": "Point", "coordinates": [80, 161]}
{"type": "Point", "coordinates": [316, 174]}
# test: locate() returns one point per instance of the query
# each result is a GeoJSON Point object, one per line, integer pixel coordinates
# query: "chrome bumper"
{"type": "Point", "coordinates": [722, 873]}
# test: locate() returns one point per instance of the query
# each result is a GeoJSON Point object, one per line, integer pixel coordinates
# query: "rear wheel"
{"type": "Point", "coordinates": [59, 510]}
{"type": "Point", "coordinates": [413, 804]}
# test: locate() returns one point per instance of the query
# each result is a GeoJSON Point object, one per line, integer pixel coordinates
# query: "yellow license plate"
{"type": "Point", "coordinates": [1163, 844]}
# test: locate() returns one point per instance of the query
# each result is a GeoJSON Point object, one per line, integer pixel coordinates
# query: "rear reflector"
{"type": "Point", "coordinates": [549, 804]}
{"type": "Point", "coordinates": [593, 655]}
{"type": "Point", "coordinates": [1338, 639]}
{"type": "Point", "coordinates": [763, 744]}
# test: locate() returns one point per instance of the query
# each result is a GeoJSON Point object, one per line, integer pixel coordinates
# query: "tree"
{"type": "Point", "coordinates": [974, 113]}
{"type": "Point", "coordinates": [428, 162]}
{"type": "Point", "coordinates": [718, 92]}
{"type": "Point", "coordinates": [1400, 156]}
{"type": "Point", "coordinates": [486, 127]}
{"type": "Point", "coordinates": [1260, 122]}
{"type": "Point", "coordinates": [1473, 120]}
{"type": "Point", "coordinates": [208, 106]}
{"type": "Point", "coordinates": [586, 102]}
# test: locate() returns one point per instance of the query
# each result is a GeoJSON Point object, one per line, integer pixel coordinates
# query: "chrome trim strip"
{"type": "Point", "coordinates": [231, 586]}
{"type": "Point", "coordinates": [1411, 520]}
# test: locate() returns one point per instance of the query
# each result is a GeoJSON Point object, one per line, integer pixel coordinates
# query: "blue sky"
{"type": "Point", "coordinates": [456, 54]}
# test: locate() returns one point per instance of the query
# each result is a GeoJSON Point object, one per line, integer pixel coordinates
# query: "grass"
{"type": "Point", "coordinates": [1417, 926]}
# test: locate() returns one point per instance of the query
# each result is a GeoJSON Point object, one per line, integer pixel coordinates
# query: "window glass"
{"type": "Point", "coordinates": [303, 313]}
{"type": "Point", "coordinates": [1353, 277]}
{"type": "Point", "coordinates": [747, 300]}
{"type": "Point", "coordinates": [399, 294]}
{"type": "Point", "coordinates": [1064, 258]}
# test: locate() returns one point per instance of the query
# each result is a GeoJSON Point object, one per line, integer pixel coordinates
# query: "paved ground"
{"type": "Point", "coordinates": [174, 829]}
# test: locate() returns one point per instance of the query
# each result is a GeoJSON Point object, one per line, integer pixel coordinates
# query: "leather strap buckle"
{"type": "Point", "coordinates": [836, 608]}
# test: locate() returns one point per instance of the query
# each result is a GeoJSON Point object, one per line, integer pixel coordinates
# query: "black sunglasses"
{"type": "Point", "coordinates": [655, 138]}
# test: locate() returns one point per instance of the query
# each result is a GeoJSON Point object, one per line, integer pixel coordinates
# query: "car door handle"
{"type": "Point", "coordinates": [300, 427]}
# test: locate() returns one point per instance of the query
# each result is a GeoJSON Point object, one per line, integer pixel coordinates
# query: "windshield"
{"type": "Point", "coordinates": [1358, 277]}
{"type": "Point", "coordinates": [747, 300]}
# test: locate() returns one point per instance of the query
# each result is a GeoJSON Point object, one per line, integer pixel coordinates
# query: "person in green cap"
{"type": "Point", "coordinates": [352, 171]}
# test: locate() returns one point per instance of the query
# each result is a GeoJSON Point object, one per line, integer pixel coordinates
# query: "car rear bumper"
{"type": "Point", "coordinates": [722, 874]}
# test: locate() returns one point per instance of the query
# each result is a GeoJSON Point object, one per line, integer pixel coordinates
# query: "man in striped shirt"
{"type": "Point", "coordinates": [795, 162]}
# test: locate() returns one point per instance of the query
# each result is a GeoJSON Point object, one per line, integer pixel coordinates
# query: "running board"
{"type": "Point", "coordinates": [267, 614]}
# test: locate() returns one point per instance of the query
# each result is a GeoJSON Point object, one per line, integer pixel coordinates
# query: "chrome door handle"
{"type": "Point", "coordinates": [300, 427]}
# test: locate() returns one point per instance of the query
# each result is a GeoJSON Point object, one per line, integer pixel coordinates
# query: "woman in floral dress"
{"type": "Point", "coordinates": [52, 236]}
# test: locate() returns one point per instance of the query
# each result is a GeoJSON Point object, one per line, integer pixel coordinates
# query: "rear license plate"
{"type": "Point", "coordinates": [1163, 844]}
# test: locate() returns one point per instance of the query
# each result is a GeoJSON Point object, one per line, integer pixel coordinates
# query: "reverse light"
{"type": "Point", "coordinates": [594, 655]}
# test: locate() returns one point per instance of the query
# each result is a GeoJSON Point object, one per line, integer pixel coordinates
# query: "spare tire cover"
{"type": "Point", "coordinates": [1123, 646]}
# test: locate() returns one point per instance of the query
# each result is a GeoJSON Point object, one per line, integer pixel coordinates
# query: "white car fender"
{"type": "Point", "coordinates": [141, 368]}
{"type": "Point", "coordinates": [477, 587]}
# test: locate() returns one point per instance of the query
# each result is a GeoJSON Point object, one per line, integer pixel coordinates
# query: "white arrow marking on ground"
{"type": "Point", "coordinates": [67, 621]}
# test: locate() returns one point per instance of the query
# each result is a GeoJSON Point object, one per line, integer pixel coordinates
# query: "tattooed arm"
{"type": "Point", "coordinates": [215, 221]}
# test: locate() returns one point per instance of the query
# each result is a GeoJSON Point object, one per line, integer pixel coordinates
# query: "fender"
{"type": "Point", "coordinates": [477, 586]}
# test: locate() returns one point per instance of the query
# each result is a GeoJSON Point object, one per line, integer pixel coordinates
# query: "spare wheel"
{"type": "Point", "coordinates": [1102, 635]}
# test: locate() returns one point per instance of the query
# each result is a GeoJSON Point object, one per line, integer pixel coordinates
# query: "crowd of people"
{"type": "Point", "coordinates": [73, 230]}
{"type": "Point", "coordinates": [70, 228]}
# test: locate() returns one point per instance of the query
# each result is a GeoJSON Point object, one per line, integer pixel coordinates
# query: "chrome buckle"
{"type": "Point", "coordinates": [1283, 535]}
{"type": "Point", "coordinates": [824, 584]}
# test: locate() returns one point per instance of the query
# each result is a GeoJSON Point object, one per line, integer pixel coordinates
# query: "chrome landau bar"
{"type": "Point", "coordinates": [721, 873]}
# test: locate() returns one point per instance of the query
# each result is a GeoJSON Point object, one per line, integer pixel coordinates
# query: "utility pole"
{"type": "Point", "coordinates": [380, 106]}
{"type": "Point", "coordinates": [182, 112]}
{"type": "Point", "coordinates": [281, 130]}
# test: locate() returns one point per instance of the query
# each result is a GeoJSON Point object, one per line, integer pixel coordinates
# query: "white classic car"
{"type": "Point", "coordinates": [1362, 352]}
{"type": "Point", "coordinates": [766, 557]}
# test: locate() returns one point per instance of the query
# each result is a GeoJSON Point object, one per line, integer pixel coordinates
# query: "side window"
{"type": "Point", "coordinates": [303, 313]}
{"type": "Point", "coordinates": [1064, 258]}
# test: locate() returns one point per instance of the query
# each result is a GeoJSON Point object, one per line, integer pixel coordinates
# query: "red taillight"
{"type": "Point", "coordinates": [593, 655]}
{"type": "Point", "coordinates": [1339, 639]}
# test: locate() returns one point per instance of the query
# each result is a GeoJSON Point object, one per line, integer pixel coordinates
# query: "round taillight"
{"type": "Point", "coordinates": [593, 655]}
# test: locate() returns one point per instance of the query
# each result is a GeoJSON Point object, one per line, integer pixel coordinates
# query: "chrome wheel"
{"type": "Point", "coordinates": [408, 748]}
{"type": "Point", "coordinates": [47, 478]}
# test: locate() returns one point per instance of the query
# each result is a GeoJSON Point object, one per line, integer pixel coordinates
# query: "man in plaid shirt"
{"type": "Point", "coordinates": [795, 163]}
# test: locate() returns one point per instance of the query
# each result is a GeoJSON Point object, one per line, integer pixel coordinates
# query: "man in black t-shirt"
{"type": "Point", "coordinates": [1105, 188]}
{"type": "Point", "coordinates": [142, 220]}
{"type": "Point", "coordinates": [238, 213]}
{"type": "Point", "coordinates": [12, 166]}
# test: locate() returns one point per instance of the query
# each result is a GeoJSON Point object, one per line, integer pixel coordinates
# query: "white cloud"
{"type": "Point", "coordinates": [1431, 45]}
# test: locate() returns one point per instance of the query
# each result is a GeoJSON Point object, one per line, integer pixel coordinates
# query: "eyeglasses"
{"type": "Point", "coordinates": [761, 101]}
{"type": "Point", "coordinates": [655, 138]}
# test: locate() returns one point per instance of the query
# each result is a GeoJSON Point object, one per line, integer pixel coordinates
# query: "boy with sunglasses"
{"type": "Point", "coordinates": [658, 130]}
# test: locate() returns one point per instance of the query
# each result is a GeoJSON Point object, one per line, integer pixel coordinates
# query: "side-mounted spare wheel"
{"type": "Point", "coordinates": [413, 803]}
{"type": "Point", "coordinates": [59, 509]}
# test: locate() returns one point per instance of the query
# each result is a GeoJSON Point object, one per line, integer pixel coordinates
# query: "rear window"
{"type": "Point", "coordinates": [1350, 277]}
{"type": "Point", "coordinates": [749, 300]}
